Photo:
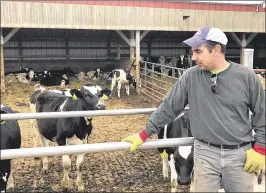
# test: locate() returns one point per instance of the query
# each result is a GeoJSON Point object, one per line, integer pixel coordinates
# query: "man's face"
{"type": "Point", "coordinates": [203, 58]}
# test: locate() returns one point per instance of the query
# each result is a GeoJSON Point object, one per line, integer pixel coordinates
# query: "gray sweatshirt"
{"type": "Point", "coordinates": [221, 118]}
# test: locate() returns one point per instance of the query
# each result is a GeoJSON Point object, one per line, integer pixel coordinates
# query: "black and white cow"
{"type": "Point", "coordinates": [95, 74]}
{"type": "Point", "coordinates": [94, 89]}
{"type": "Point", "coordinates": [180, 159]}
{"type": "Point", "coordinates": [54, 80]}
{"type": "Point", "coordinates": [64, 131]}
{"type": "Point", "coordinates": [10, 139]}
{"type": "Point", "coordinates": [182, 61]}
{"type": "Point", "coordinates": [120, 77]}
{"type": "Point", "coordinates": [25, 75]}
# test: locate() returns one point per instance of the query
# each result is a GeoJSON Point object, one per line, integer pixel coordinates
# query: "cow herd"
{"type": "Point", "coordinates": [76, 130]}
{"type": "Point", "coordinates": [181, 62]}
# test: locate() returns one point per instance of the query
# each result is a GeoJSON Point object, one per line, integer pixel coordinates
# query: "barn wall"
{"type": "Point", "coordinates": [78, 16]}
{"type": "Point", "coordinates": [89, 54]}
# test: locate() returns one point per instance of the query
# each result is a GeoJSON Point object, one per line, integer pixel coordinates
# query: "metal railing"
{"type": "Point", "coordinates": [86, 148]}
{"type": "Point", "coordinates": [154, 85]}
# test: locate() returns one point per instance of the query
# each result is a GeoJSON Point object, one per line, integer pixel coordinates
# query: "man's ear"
{"type": "Point", "coordinates": [217, 49]}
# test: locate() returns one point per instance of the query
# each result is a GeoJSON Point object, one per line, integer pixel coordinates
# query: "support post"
{"type": "Point", "coordinates": [118, 51]}
{"type": "Point", "coordinates": [132, 43]}
{"type": "Point", "coordinates": [108, 47]}
{"type": "Point", "coordinates": [137, 59]}
{"type": "Point", "coordinates": [149, 48]}
{"type": "Point", "coordinates": [67, 46]}
{"type": "Point", "coordinates": [3, 88]}
{"type": "Point", "coordinates": [20, 54]}
{"type": "Point", "coordinates": [243, 45]}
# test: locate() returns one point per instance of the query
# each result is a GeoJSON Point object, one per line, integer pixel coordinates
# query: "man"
{"type": "Point", "coordinates": [220, 95]}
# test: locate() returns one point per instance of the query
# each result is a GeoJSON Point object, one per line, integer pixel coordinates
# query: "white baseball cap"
{"type": "Point", "coordinates": [205, 34]}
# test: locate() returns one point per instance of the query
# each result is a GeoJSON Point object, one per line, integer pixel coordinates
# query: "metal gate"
{"type": "Point", "coordinates": [155, 81]}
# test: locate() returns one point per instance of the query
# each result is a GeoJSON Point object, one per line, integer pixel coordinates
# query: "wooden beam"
{"type": "Point", "coordinates": [3, 88]}
{"type": "Point", "coordinates": [20, 54]}
{"type": "Point", "coordinates": [243, 45]}
{"type": "Point", "coordinates": [149, 48]}
{"type": "Point", "coordinates": [144, 34]}
{"type": "Point", "coordinates": [251, 37]}
{"type": "Point", "coordinates": [66, 46]}
{"type": "Point", "coordinates": [11, 34]}
{"type": "Point", "coordinates": [137, 59]}
{"type": "Point", "coordinates": [236, 39]}
{"type": "Point", "coordinates": [132, 44]}
{"type": "Point", "coordinates": [123, 37]}
{"type": "Point", "coordinates": [118, 51]}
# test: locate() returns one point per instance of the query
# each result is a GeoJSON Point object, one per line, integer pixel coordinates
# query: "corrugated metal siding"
{"type": "Point", "coordinates": [78, 16]}
{"type": "Point", "coordinates": [45, 55]}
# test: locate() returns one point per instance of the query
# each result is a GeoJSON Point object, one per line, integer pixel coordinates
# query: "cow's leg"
{"type": "Point", "coordinates": [112, 85]}
{"type": "Point", "coordinates": [10, 182]}
{"type": "Point", "coordinates": [79, 182]}
{"type": "Point", "coordinates": [80, 157]}
{"type": "Point", "coordinates": [173, 173]}
{"type": "Point", "coordinates": [127, 89]}
{"type": "Point", "coordinates": [118, 88]}
{"type": "Point", "coordinates": [164, 157]}
{"type": "Point", "coordinates": [79, 162]}
{"type": "Point", "coordinates": [66, 166]}
{"type": "Point", "coordinates": [33, 124]}
{"type": "Point", "coordinates": [44, 143]}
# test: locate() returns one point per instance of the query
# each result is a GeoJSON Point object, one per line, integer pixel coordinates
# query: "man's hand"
{"type": "Point", "coordinates": [254, 162]}
{"type": "Point", "coordinates": [136, 140]}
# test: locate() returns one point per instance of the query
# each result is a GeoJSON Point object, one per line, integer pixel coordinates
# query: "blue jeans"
{"type": "Point", "coordinates": [215, 167]}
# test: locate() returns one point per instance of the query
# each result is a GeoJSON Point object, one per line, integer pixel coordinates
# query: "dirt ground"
{"type": "Point", "coordinates": [119, 171]}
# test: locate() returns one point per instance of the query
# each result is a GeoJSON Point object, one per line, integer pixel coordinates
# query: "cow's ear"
{"type": "Point", "coordinates": [75, 94]}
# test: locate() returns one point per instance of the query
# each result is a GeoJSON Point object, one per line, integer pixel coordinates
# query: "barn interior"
{"type": "Point", "coordinates": [46, 49]}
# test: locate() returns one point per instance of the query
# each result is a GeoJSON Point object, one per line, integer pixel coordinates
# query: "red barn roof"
{"type": "Point", "coordinates": [169, 4]}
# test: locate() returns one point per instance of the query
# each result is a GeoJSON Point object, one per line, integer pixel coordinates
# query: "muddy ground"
{"type": "Point", "coordinates": [119, 171]}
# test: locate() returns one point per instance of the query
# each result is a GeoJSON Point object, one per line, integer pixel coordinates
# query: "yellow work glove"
{"type": "Point", "coordinates": [136, 140]}
{"type": "Point", "coordinates": [254, 161]}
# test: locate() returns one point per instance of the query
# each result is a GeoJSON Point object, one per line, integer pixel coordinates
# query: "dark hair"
{"type": "Point", "coordinates": [211, 44]}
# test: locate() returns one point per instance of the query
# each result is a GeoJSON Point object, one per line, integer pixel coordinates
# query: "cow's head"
{"type": "Point", "coordinates": [92, 101]}
{"type": "Point", "coordinates": [184, 164]}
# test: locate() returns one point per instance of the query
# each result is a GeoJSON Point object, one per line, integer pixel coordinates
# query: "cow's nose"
{"type": "Point", "coordinates": [184, 181]}
{"type": "Point", "coordinates": [100, 106]}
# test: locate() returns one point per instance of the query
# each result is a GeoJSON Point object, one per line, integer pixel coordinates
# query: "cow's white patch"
{"type": "Point", "coordinates": [182, 57]}
{"type": "Point", "coordinates": [62, 106]}
{"type": "Point", "coordinates": [93, 89]}
{"type": "Point", "coordinates": [88, 120]}
{"type": "Point", "coordinates": [64, 76]}
{"type": "Point", "coordinates": [4, 177]}
{"type": "Point", "coordinates": [74, 140]}
{"type": "Point", "coordinates": [173, 173]}
{"type": "Point", "coordinates": [184, 151]}
{"type": "Point", "coordinates": [2, 106]}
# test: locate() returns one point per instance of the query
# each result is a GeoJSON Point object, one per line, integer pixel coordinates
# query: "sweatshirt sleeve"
{"type": "Point", "coordinates": [171, 105]}
{"type": "Point", "coordinates": [257, 107]}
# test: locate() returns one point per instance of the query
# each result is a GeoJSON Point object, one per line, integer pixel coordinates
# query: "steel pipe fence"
{"type": "Point", "coordinates": [154, 85]}
{"type": "Point", "coordinates": [90, 148]}
{"type": "Point", "coordinates": [95, 113]}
